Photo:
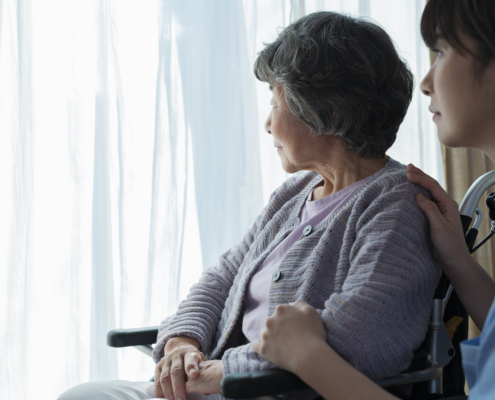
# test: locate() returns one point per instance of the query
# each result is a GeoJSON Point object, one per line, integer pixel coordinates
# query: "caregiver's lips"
{"type": "Point", "coordinates": [436, 114]}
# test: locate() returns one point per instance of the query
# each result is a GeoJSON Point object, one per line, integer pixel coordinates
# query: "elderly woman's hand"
{"type": "Point", "coordinates": [182, 357]}
{"type": "Point", "coordinates": [209, 379]}
{"type": "Point", "coordinates": [289, 334]}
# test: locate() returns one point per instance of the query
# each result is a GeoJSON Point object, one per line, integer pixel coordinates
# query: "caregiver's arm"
{"type": "Point", "coordinates": [295, 340]}
{"type": "Point", "coordinates": [473, 285]}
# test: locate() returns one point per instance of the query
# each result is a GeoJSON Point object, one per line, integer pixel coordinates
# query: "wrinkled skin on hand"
{"type": "Point", "coordinates": [209, 378]}
{"type": "Point", "coordinates": [181, 360]}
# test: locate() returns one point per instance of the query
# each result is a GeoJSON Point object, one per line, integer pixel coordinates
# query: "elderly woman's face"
{"type": "Point", "coordinates": [296, 146]}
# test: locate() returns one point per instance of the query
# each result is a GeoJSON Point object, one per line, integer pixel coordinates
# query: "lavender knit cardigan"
{"type": "Point", "coordinates": [368, 269]}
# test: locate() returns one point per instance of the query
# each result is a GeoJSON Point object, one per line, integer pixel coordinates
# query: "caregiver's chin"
{"type": "Point", "coordinates": [299, 149]}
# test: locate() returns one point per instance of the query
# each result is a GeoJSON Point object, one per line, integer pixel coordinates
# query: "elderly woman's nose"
{"type": "Point", "coordinates": [268, 124]}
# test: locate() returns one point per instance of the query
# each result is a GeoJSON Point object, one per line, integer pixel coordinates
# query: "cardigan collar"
{"type": "Point", "coordinates": [314, 179]}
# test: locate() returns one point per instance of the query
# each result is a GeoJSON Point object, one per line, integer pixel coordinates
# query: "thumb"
{"type": "Point", "coordinates": [257, 346]}
{"type": "Point", "coordinates": [435, 217]}
{"type": "Point", "coordinates": [300, 304]}
{"type": "Point", "coordinates": [192, 361]}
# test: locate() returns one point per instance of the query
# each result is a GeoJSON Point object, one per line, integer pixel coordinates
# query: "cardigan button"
{"type": "Point", "coordinates": [276, 275]}
{"type": "Point", "coordinates": [307, 230]}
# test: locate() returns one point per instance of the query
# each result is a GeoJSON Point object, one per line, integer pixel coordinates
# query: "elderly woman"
{"type": "Point", "coordinates": [346, 236]}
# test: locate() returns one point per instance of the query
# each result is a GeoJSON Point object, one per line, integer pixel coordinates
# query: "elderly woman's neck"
{"type": "Point", "coordinates": [342, 173]}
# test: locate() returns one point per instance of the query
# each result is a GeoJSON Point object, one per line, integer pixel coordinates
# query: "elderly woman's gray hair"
{"type": "Point", "coordinates": [340, 76]}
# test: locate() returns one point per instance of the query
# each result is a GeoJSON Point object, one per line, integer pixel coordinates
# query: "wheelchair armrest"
{"type": "Point", "coordinates": [270, 382]}
{"type": "Point", "coordinates": [132, 337]}
{"type": "Point", "coordinates": [277, 381]}
{"type": "Point", "coordinates": [406, 378]}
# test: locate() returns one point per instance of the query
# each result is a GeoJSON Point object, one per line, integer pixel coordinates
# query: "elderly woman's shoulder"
{"type": "Point", "coordinates": [393, 181]}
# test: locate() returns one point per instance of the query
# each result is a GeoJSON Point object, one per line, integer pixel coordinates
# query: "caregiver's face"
{"type": "Point", "coordinates": [463, 107]}
{"type": "Point", "coordinates": [291, 137]}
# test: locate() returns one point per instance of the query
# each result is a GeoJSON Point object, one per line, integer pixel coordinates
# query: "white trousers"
{"type": "Point", "coordinates": [121, 390]}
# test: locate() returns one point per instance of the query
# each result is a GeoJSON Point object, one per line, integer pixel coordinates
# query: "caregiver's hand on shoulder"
{"type": "Point", "coordinates": [445, 222]}
{"type": "Point", "coordinates": [288, 335]}
{"type": "Point", "coordinates": [182, 357]}
{"type": "Point", "coordinates": [209, 378]}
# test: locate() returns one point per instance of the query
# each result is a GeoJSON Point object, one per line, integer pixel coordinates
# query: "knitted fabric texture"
{"type": "Point", "coordinates": [368, 269]}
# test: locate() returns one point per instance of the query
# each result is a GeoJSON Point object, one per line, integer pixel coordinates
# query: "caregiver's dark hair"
{"type": "Point", "coordinates": [341, 76]}
{"type": "Point", "coordinates": [443, 18]}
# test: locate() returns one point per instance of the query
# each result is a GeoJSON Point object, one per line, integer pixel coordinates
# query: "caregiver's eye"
{"type": "Point", "coordinates": [437, 52]}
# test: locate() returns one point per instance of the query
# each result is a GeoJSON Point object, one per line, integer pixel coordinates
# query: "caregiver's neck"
{"type": "Point", "coordinates": [341, 168]}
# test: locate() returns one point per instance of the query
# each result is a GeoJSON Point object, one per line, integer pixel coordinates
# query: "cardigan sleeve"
{"type": "Point", "coordinates": [199, 314]}
{"type": "Point", "coordinates": [382, 313]}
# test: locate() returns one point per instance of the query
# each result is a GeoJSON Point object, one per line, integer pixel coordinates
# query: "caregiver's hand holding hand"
{"type": "Point", "coordinates": [182, 357]}
{"type": "Point", "coordinates": [472, 283]}
{"type": "Point", "coordinates": [297, 327]}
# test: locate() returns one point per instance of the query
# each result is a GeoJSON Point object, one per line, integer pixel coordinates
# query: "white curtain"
{"type": "Point", "coordinates": [132, 153]}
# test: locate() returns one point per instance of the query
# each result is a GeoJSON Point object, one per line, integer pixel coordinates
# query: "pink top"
{"type": "Point", "coordinates": [312, 213]}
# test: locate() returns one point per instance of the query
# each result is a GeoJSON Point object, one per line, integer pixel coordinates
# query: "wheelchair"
{"type": "Point", "coordinates": [435, 371]}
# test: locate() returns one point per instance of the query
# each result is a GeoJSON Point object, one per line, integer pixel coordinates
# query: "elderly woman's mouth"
{"type": "Point", "coordinates": [277, 147]}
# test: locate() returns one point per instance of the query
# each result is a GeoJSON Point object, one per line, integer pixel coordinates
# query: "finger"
{"type": "Point", "coordinates": [166, 382]}
{"type": "Point", "coordinates": [282, 308]}
{"type": "Point", "coordinates": [270, 323]}
{"type": "Point", "coordinates": [423, 180]}
{"type": "Point", "coordinates": [301, 305]}
{"type": "Point", "coordinates": [446, 204]}
{"type": "Point", "coordinates": [431, 210]}
{"type": "Point", "coordinates": [158, 388]}
{"type": "Point", "coordinates": [178, 376]}
{"type": "Point", "coordinates": [192, 361]}
{"type": "Point", "coordinates": [416, 170]}
{"type": "Point", "coordinates": [437, 192]}
{"type": "Point", "coordinates": [257, 346]}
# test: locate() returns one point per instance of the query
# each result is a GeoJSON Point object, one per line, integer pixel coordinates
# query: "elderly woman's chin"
{"type": "Point", "coordinates": [288, 166]}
